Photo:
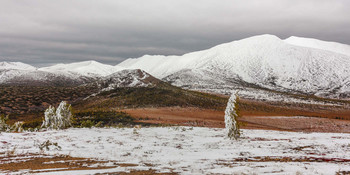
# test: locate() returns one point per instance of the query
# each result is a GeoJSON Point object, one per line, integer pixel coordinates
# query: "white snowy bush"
{"type": "Point", "coordinates": [59, 118]}
{"type": "Point", "coordinates": [231, 115]}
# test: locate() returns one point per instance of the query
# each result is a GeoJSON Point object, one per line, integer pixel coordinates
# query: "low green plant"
{"type": "Point", "coordinates": [32, 125]}
{"type": "Point", "coordinates": [87, 124]}
{"type": "Point", "coordinates": [4, 127]}
{"type": "Point", "coordinates": [102, 118]}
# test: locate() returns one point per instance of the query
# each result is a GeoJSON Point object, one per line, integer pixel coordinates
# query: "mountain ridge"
{"type": "Point", "coordinates": [319, 44]}
{"type": "Point", "coordinates": [263, 61]}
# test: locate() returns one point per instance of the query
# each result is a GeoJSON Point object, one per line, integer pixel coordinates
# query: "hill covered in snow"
{"type": "Point", "coordinates": [57, 75]}
{"type": "Point", "coordinates": [319, 44]}
{"type": "Point", "coordinates": [85, 68]}
{"type": "Point", "coordinates": [15, 65]}
{"type": "Point", "coordinates": [262, 62]}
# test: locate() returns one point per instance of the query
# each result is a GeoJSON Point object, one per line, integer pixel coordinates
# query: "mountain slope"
{"type": "Point", "coordinates": [39, 78]}
{"type": "Point", "coordinates": [36, 98]}
{"type": "Point", "coordinates": [123, 89]}
{"type": "Point", "coordinates": [15, 65]}
{"type": "Point", "coordinates": [318, 44]}
{"type": "Point", "coordinates": [137, 88]}
{"type": "Point", "coordinates": [264, 61]}
{"type": "Point", "coordinates": [122, 79]}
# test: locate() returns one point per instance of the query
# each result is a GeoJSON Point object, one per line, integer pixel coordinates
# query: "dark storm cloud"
{"type": "Point", "coordinates": [45, 32]}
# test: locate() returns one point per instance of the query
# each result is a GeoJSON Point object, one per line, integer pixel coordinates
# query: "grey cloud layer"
{"type": "Point", "coordinates": [44, 32]}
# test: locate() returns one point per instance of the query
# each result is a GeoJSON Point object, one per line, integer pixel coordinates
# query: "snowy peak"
{"type": "Point", "coordinates": [266, 38]}
{"type": "Point", "coordinates": [161, 66]}
{"type": "Point", "coordinates": [319, 44]}
{"type": "Point", "coordinates": [85, 68]}
{"type": "Point", "coordinates": [129, 78]}
{"type": "Point", "coordinates": [15, 65]}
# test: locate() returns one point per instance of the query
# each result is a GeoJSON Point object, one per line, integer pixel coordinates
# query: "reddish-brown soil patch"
{"type": "Point", "coordinates": [304, 124]}
{"type": "Point", "coordinates": [41, 163]}
{"type": "Point", "coordinates": [259, 108]}
{"type": "Point", "coordinates": [179, 116]}
{"type": "Point", "coordinates": [213, 118]}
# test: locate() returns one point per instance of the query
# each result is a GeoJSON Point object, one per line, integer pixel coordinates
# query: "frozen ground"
{"type": "Point", "coordinates": [189, 150]}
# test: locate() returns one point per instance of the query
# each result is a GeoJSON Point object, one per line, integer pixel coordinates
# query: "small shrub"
{"type": "Point", "coordinates": [4, 127]}
{"type": "Point", "coordinates": [87, 124]}
{"type": "Point", "coordinates": [11, 152]}
{"type": "Point", "coordinates": [32, 124]}
{"type": "Point", "coordinates": [17, 127]}
{"type": "Point", "coordinates": [49, 145]}
{"type": "Point", "coordinates": [99, 124]}
{"type": "Point", "coordinates": [134, 131]}
{"type": "Point", "coordinates": [102, 118]}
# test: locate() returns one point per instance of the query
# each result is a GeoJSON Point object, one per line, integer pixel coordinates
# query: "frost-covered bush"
{"type": "Point", "coordinates": [17, 127]}
{"type": "Point", "coordinates": [59, 118]}
{"type": "Point", "coordinates": [231, 115]}
{"type": "Point", "coordinates": [3, 126]}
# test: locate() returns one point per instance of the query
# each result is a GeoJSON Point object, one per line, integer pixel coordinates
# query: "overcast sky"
{"type": "Point", "coordinates": [42, 32]}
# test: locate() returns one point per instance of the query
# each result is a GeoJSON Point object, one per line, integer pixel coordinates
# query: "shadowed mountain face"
{"type": "Point", "coordinates": [123, 89]}
{"type": "Point", "coordinates": [137, 88]}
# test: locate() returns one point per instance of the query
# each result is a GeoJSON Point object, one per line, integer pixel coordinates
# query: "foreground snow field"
{"type": "Point", "coordinates": [188, 150]}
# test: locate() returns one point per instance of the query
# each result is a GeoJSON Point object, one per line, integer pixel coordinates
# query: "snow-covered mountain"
{"type": "Point", "coordinates": [85, 68]}
{"type": "Point", "coordinates": [15, 65]}
{"type": "Point", "coordinates": [259, 62]}
{"type": "Point", "coordinates": [257, 66]}
{"type": "Point", "coordinates": [40, 78]}
{"type": "Point", "coordinates": [57, 75]}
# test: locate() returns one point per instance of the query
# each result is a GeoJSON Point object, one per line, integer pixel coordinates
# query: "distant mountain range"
{"type": "Point", "coordinates": [257, 66]}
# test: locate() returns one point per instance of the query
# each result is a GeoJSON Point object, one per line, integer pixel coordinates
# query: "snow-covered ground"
{"type": "Point", "coordinates": [194, 150]}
